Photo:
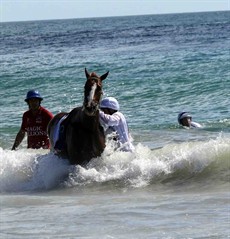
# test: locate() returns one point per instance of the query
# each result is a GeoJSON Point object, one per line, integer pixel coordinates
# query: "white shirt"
{"type": "Point", "coordinates": [195, 125]}
{"type": "Point", "coordinates": [118, 124]}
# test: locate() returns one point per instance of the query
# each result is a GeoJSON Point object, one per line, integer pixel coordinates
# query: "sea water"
{"type": "Point", "coordinates": [176, 184]}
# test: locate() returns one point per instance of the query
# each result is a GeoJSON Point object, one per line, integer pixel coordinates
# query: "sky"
{"type": "Point", "coordinates": [27, 10]}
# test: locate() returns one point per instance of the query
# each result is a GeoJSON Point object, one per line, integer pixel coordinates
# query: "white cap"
{"type": "Point", "coordinates": [183, 115]}
{"type": "Point", "coordinates": [110, 103]}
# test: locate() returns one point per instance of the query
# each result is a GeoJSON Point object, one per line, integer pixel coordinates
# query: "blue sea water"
{"type": "Point", "coordinates": [176, 183]}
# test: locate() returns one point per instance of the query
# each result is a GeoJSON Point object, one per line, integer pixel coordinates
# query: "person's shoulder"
{"type": "Point", "coordinates": [121, 117]}
{"type": "Point", "coordinates": [195, 125]}
{"type": "Point", "coordinates": [46, 111]}
{"type": "Point", "coordinates": [118, 113]}
{"type": "Point", "coordinates": [27, 113]}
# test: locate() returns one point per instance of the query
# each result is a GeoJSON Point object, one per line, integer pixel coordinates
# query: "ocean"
{"type": "Point", "coordinates": [176, 184]}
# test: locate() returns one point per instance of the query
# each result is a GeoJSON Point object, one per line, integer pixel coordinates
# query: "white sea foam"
{"type": "Point", "coordinates": [29, 170]}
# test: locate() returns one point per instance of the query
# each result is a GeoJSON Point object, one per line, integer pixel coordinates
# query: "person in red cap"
{"type": "Point", "coordinates": [34, 123]}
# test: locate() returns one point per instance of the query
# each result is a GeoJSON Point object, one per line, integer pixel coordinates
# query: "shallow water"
{"type": "Point", "coordinates": [176, 183]}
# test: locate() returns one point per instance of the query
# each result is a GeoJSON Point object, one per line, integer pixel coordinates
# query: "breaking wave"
{"type": "Point", "coordinates": [188, 163]}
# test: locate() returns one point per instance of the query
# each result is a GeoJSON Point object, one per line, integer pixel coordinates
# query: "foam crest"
{"type": "Point", "coordinates": [184, 161]}
{"type": "Point", "coordinates": [28, 170]}
{"type": "Point", "coordinates": [35, 170]}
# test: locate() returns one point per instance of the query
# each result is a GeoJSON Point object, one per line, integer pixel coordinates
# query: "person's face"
{"type": "Point", "coordinates": [34, 103]}
{"type": "Point", "coordinates": [186, 122]}
{"type": "Point", "coordinates": [107, 111]}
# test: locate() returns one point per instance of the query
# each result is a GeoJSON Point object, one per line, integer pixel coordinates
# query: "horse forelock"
{"type": "Point", "coordinates": [93, 78]}
{"type": "Point", "coordinates": [94, 75]}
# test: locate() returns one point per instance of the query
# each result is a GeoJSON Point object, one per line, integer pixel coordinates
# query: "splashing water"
{"type": "Point", "coordinates": [29, 170]}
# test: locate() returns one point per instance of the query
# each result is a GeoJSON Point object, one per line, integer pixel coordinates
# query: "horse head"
{"type": "Point", "coordinates": [93, 92]}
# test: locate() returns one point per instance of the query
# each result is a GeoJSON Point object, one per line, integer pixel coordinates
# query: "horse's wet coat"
{"type": "Point", "coordinates": [84, 138]}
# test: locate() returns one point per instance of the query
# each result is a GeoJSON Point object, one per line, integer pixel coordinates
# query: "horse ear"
{"type": "Point", "coordinates": [104, 76]}
{"type": "Point", "coordinates": [86, 73]}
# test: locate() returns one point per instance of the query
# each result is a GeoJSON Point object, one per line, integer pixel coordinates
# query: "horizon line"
{"type": "Point", "coordinates": [131, 15]}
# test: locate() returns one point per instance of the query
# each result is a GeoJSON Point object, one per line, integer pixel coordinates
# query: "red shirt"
{"type": "Point", "coordinates": [36, 128]}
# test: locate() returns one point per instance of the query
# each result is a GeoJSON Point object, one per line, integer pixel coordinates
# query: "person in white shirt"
{"type": "Point", "coordinates": [114, 123]}
{"type": "Point", "coordinates": [185, 119]}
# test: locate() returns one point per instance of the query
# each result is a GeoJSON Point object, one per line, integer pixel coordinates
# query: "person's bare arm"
{"type": "Point", "coordinates": [19, 137]}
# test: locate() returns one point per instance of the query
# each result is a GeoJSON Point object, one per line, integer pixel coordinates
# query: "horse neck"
{"type": "Point", "coordinates": [91, 122]}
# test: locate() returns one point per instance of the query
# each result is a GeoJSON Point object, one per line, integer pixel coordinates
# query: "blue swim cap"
{"type": "Point", "coordinates": [33, 94]}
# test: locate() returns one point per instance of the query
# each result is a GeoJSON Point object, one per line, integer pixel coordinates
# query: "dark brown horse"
{"type": "Point", "coordinates": [83, 137]}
